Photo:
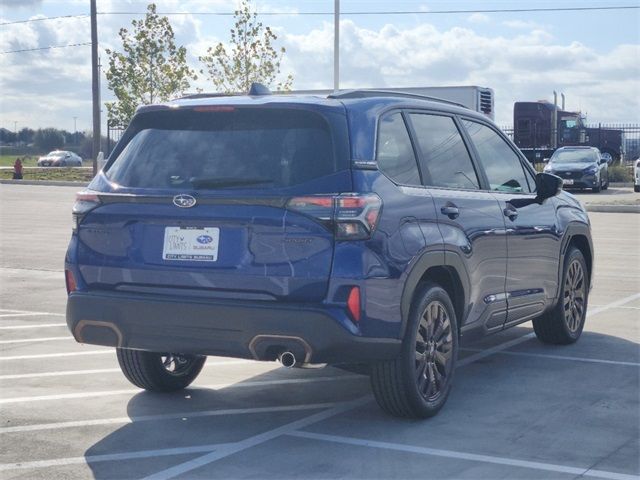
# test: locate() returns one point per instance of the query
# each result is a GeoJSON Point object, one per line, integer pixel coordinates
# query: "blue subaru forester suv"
{"type": "Point", "coordinates": [365, 229]}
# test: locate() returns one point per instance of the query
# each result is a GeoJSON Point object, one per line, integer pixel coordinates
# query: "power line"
{"type": "Point", "coordinates": [356, 13]}
{"type": "Point", "coordinates": [42, 19]}
{"type": "Point", "coordinates": [398, 12]}
{"type": "Point", "coordinates": [46, 48]}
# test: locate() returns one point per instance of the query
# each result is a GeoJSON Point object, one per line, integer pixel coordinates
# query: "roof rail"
{"type": "Point", "coordinates": [388, 93]}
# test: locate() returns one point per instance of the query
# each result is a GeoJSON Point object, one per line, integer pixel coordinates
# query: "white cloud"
{"type": "Point", "coordinates": [526, 63]}
{"type": "Point", "coordinates": [526, 66]}
{"type": "Point", "coordinates": [478, 18]}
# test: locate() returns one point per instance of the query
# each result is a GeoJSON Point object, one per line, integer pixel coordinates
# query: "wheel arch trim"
{"type": "Point", "coordinates": [429, 260]}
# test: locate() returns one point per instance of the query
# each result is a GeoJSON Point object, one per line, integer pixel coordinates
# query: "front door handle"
{"type": "Point", "coordinates": [450, 211]}
{"type": "Point", "coordinates": [510, 212]}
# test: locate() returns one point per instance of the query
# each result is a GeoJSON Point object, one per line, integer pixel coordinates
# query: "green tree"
{"type": "Point", "coordinates": [48, 139]}
{"type": "Point", "coordinates": [150, 69]}
{"type": "Point", "coordinates": [251, 56]}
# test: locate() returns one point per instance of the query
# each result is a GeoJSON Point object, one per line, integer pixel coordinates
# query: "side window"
{"type": "Point", "coordinates": [446, 161]}
{"type": "Point", "coordinates": [395, 155]}
{"type": "Point", "coordinates": [501, 164]}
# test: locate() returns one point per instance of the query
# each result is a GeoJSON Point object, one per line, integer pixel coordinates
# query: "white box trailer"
{"type": "Point", "coordinates": [480, 99]}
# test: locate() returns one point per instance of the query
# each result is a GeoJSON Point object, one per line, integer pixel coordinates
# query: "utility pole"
{"type": "Point", "coordinates": [336, 45]}
{"type": "Point", "coordinates": [95, 88]}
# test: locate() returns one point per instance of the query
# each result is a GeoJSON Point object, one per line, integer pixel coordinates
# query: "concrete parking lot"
{"type": "Point", "coordinates": [519, 409]}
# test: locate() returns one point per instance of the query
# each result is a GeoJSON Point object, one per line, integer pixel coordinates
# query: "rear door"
{"type": "Point", "coordinates": [533, 240]}
{"type": "Point", "coordinates": [199, 202]}
{"type": "Point", "coordinates": [469, 218]}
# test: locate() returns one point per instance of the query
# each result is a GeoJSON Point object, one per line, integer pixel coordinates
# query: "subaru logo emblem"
{"type": "Point", "coordinates": [184, 201]}
{"type": "Point", "coordinates": [204, 239]}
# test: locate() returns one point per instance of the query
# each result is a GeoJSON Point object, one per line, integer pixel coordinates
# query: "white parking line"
{"type": "Point", "coordinates": [57, 355]}
{"type": "Point", "coordinates": [560, 357]}
{"type": "Point", "coordinates": [549, 467]}
{"type": "Point", "coordinates": [26, 327]}
{"type": "Point", "coordinates": [166, 416]}
{"type": "Point", "coordinates": [608, 306]}
{"type": "Point", "coordinates": [68, 396]}
{"type": "Point", "coordinates": [41, 339]}
{"type": "Point", "coordinates": [13, 315]}
{"type": "Point", "coordinates": [111, 457]}
{"type": "Point", "coordinates": [9, 312]}
{"type": "Point", "coordinates": [64, 373]}
{"type": "Point", "coordinates": [516, 341]}
{"type": "Point", "coordinates": [258, 439]}
{"type": "Point", "coordinates": [230, 449]}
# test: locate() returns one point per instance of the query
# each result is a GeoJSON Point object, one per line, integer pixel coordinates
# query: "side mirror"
{"type": "Point", "coordinates": [545, 160]}
{"type": "Point", "coordinates": [548, 185]}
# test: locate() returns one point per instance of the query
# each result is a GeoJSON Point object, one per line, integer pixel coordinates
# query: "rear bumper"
{"type": "Point", "coordinates": [258, 330]}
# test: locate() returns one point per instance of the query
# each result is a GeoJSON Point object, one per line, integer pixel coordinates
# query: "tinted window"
{"type": "Point", "coordinates": [501, 164]}
{"type": "Point", "coordinates": [395, 155]}
{"type": "Point", "coordinates": [446, 160]}
{"type": "Point", "coordinates": [240, 147]}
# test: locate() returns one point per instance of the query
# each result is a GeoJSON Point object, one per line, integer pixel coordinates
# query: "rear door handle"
{"type": "Point", "coordinates": [450, 211]}
{"type": "Point", "coordinates": [510, 212]}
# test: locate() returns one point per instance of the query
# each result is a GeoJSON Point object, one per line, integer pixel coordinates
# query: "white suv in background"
{"type": "Point", "coordinates": [636, 175]}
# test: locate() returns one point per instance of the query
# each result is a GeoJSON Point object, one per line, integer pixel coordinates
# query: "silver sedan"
{"type": "Point", "coordinates": [60, 158]}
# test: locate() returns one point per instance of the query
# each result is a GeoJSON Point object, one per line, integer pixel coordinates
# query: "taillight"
{"type": "Point", "coordinates": [356, 216]}
{"type": "Point", "coordinates": [70, 281]}
{"type": "Point", "coordinates": [86, 201]}
{"type": "Point", "coordinates": [353, 216]}
{"type": "Point", "coordinates": [353, 304]}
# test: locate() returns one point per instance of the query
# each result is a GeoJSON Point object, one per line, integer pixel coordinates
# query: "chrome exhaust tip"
{"type": "Point", "coordinates": [287, 359]}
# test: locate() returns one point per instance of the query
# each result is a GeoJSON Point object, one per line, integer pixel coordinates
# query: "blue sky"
{"type": "Point", "coordinates": [592, 56]}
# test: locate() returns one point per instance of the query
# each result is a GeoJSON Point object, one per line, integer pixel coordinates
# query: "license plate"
{"type": "Point", "coordinates": [567, 181]}
{"type": "Point", "coordinates": [191, 244]}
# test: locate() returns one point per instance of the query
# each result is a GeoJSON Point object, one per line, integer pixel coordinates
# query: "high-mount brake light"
{"type": "Point", "coordinates": [86, 200]}
{"type": "Point", "coordinates": [214, 108]}
{"type": "Point", "coordinates": [353, 216]}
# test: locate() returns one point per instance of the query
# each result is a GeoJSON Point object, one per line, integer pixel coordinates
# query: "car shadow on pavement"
{"type": "Point", "coordinates": [512, 384]}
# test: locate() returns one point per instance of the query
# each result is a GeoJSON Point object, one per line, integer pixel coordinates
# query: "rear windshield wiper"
{"type": "Point", "coordinates": [217, 182]}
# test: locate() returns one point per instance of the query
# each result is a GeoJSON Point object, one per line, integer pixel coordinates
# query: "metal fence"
{"type": "Point", "coordinates": [114, 132]}
{"type": "Point", "coordinates": [630, 135]}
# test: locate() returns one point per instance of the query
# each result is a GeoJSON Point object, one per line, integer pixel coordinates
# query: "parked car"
{"type": "Point", "coordinates": [636, 176]}
{"type": "Point", "coordinates": [60, 158]}
{"type": "Point", "coordinates": [363, 229]}
{"type": "Point", "coordinates": [580, 167]}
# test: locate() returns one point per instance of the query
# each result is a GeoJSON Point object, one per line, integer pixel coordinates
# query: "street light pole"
{"type": "Point", "coordinates": [75, 131]}
{"type": "Point", "coordinates": [336, 45]}
{"type": "Point", "coordinates": [95, 87]}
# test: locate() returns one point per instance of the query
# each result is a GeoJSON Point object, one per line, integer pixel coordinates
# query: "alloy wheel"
{"type": "Point", "coordinates": [574, 296]}
{"type": "Point", "coordinates": [177, 364]}
{"type": "Point", "coordinates": [434, 351]}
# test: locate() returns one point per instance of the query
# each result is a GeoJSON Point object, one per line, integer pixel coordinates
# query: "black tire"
{"type": "Point", "coordinates": [152, 371]}
{"type": "Point", "coordinates": [399, 385]}
{"type": "Point", "coordinates": [597, 189]}
{"type": "Point", "coordinates": [563, 325]}
{"type": "Point", "coordinates": [636, 188]}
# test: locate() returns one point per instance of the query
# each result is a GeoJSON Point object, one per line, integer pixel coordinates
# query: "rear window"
{"type": "Point", "coordinates": [235, 147]}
